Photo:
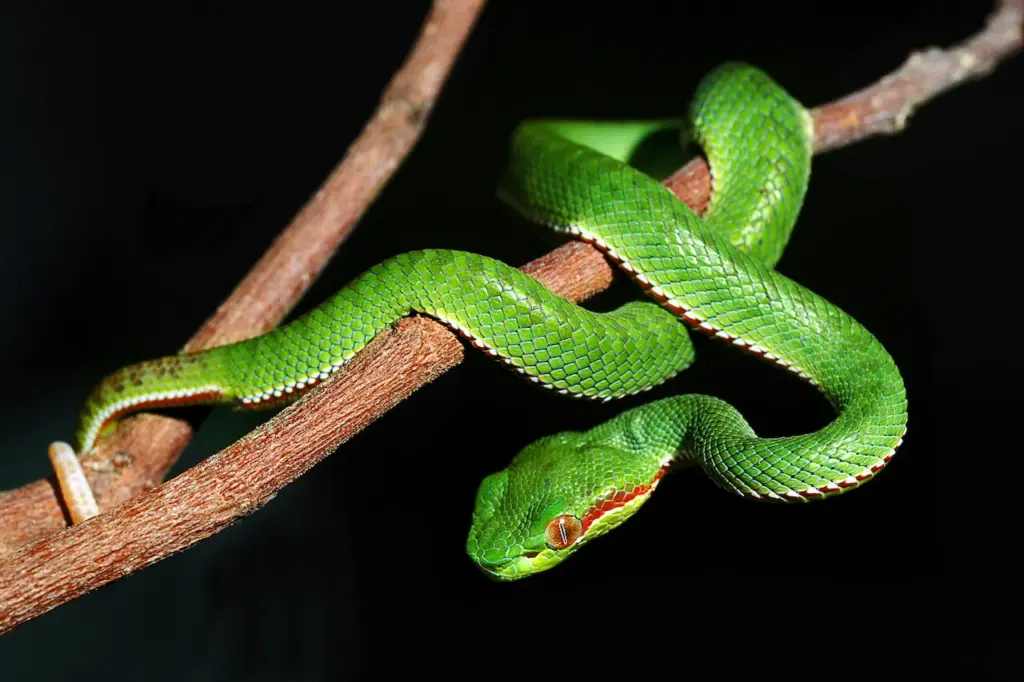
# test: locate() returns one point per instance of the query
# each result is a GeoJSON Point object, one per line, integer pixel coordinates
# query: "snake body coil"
{"type": "Point", "coordinates": [713, 272]}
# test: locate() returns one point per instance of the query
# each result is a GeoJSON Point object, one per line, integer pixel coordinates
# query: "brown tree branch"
{"type": "Point", "coordinates": [140, 454]}
{"type": "Point", "coordinates": [884, 107]}
{"type": "Point", "coordinates": [280, 278]}
{"type": "Point", "coordinates": [243, 477]}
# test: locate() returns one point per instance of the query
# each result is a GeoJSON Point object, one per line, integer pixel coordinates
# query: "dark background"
{"type": "Point", "coordinates": [151, 154]}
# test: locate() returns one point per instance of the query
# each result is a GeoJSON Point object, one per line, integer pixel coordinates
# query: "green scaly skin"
{"type": "Point", "coordinates": [713, 273]}
{"type": "Point", "coordinates": [509, 314]}
{"type": "Point", "coordinates": [716, 273]}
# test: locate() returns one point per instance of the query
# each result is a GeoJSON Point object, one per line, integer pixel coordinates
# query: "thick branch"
{"type": "Point", "coordinates": [240, 479]}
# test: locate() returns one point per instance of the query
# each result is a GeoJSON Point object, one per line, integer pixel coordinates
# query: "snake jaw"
{"type": "Point", "coordinates": [539, 511]}
{"type": "Point", "coordinates": [518, 567]}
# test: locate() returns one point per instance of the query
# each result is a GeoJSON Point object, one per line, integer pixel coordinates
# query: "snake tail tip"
{"type": "Point", "coordinates": [59, 448]}
{"type": "Point", "coordinates": [72, 484]}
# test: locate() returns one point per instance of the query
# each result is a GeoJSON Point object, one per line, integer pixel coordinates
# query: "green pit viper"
{"type": "Point", "coordinates": [713, 272]}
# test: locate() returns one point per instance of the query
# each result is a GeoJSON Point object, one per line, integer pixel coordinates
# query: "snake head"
{"type": "Point", "coordinates": [556, 495]}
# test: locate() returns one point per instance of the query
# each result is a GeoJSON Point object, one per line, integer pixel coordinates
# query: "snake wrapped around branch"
{"type": "Point", "coordinates": [712, 272]}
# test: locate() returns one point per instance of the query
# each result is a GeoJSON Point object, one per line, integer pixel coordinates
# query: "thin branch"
{"type": "Point", "coordinates": [884, 107]}
{"type": "Point", "coordinates": [139, 457]}
{"type": "Point", "coordinates": [298, 255]}
{"type": "Point", "coordinates": [243, 477]}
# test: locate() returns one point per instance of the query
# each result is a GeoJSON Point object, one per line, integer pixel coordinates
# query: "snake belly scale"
{"type": "Point", "coordinates": [714, 272]}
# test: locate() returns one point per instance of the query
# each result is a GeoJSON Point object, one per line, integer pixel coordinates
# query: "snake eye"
{"type": "Point", "coordinates": [563, 531]}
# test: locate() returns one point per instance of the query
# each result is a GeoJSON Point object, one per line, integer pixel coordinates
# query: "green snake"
{"type": "Point", "coordinates": [714, 272]}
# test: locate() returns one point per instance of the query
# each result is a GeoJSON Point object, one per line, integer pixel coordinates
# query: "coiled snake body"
{"type": "Point", "coordinates": [712, 272]}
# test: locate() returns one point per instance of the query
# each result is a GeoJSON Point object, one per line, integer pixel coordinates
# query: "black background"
{"type": "Point", "coordinates": [150, 154]}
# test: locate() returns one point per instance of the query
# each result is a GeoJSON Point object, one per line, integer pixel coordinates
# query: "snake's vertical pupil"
{"type": "Point", "coordinates": [563, 531]}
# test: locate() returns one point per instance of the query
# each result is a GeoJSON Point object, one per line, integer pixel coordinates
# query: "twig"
{"type": "Point", "coordinates": [238, 480]}
{"type": "Point", "coordinates": [140, 456]}
{"type": "Point", "coordinates": [884, 108]}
